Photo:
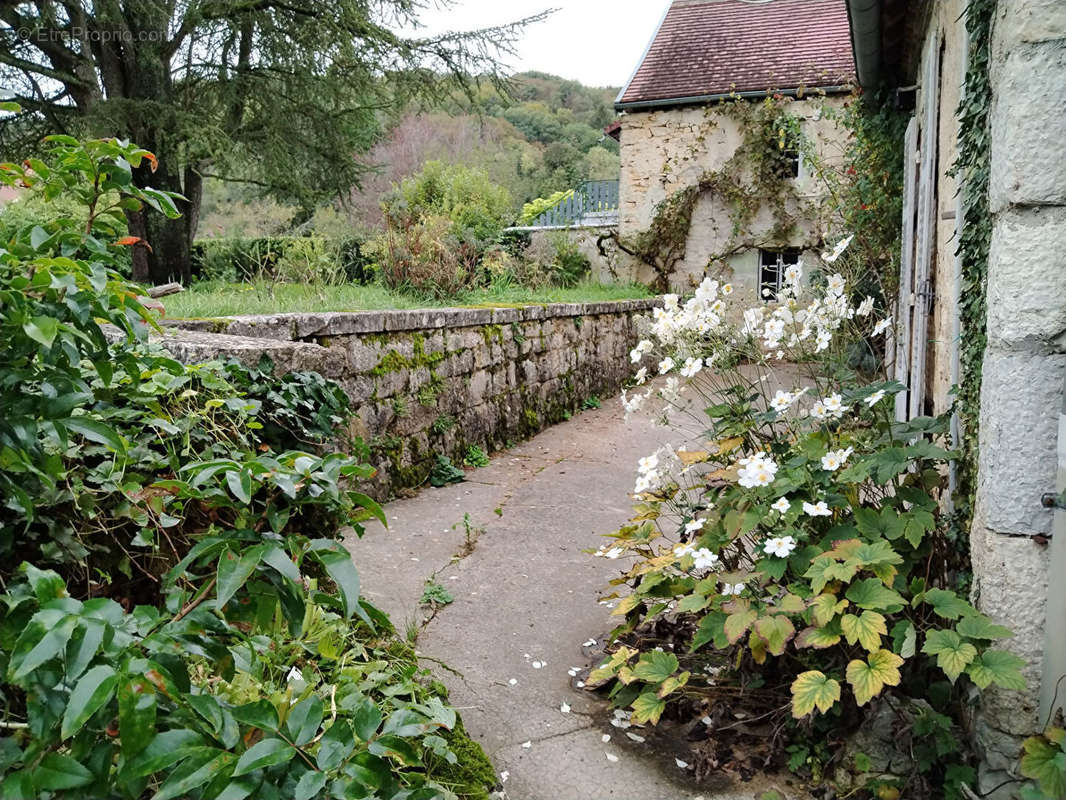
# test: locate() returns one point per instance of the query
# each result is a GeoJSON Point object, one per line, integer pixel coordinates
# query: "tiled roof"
{"type": "Point", "coordinates": [712, 47]}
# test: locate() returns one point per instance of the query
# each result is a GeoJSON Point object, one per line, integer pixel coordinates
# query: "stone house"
{"type": "Point", "coordinates": [677, 128]}
{"type": "Point", "coordinates": [982, 305]}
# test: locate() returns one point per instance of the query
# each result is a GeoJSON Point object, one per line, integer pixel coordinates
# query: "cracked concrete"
{"type": "Point", "coordinates": [528, 593]}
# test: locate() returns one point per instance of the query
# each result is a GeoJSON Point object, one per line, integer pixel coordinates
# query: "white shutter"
{"type": "Point", "coordinates": [901, 351]}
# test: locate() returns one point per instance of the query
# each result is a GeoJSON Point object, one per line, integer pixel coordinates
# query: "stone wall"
{"type": "Point", "coordinates": [1024, 371]}
{"type": "Point", "coordinates": [603, 266]}
{"type": "Point", "coordinates": [437, 381]}
{"type": "Point", "coordinates": [666, 150]}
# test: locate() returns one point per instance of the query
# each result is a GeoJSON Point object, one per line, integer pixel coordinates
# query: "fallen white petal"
{"type": "Point", "coordinates": [611, 757]}
{"type": "Point", "coordinates": [605, 738]}
{"type": "Point", "coordinates": [504, 776]}
{"type": "Point", "coordinates": [538, 664]}
{"type": "Point", "coordinates": [513, 681]}
{"type": "Point", "coordinates": [636, 737]}
{"type": "Point", "coordinates": [589, 643]}
{"type": "Point", "coordinates": [565, 708]}
{"type": "Point", "coordinates": [681, 764]}
{"type": "Point", "coordinates": [580, 684]}
{"type": "Point", "coordinates": [572, 672]}
{"type": "Point", "coordinates": [527, 745]}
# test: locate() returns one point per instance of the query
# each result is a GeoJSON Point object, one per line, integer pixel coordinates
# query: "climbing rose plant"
{"type": "Point", "coordinates": [803, 540]}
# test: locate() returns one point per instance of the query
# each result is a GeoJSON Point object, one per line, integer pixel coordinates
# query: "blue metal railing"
{"type": "Point", "coordinates": [591, 203]}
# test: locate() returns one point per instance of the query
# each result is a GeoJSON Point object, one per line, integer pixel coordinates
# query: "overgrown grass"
{"type": "Point", "coordinates": [218, 299]}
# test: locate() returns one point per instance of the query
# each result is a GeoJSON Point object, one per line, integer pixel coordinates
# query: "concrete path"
{"type": "Point", "coordinates": [526, 594]}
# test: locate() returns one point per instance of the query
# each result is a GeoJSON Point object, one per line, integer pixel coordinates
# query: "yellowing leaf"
{"type": "Point", "coordinates": [776, 632]}
{"type": "Point", "coordinates": [626, 604]}
{"type": "Point", "coordinates": [866, 629]}
{"type": "Point", "coordinates": [813, 690]}
{"type": "Point", "coordinates": [818, 638]}
{"type": "Point", "coordinates": [690, 457]}
{"type": "Point", "coordinates": [673, 683]}
{"type": "Point", "coordinates": [792, 604]}
{"type": "Point", "coordinates": [868, 678]}
{"type": "Point", "coordinates": [648, 708]}
{"type": "Point", "coordinates": [826, 606]}
{"type": "Point", "coordinates": [737, 623]}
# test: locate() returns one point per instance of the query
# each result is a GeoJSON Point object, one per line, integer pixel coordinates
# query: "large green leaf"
{"type": "Point", "coordinates": [999, 667]}
{"type": "Point", "coordinates": [96, 432]}
{"type": "Point", "coordinates": [56, 772]}
{"type": "Point", "coordinates": [813, 690]}
{"type": "Point", "coordinates": [978, 626]}
{"type": "Point", "coordinates": [335, 746]}
{"type": "Point", "coordinates": [952, 653]}
{"type": "Point", "coordinates": [267, 753]}
{"type": "Point", "coordinates": [165, 749]}
{"type": "Point", "coordinates": [338, 565]}
{"type": "Point", "coordinates": [1042, 761]}
{"type": "Point", "coordinates": [304, 720]}
{"type": "Point", "coordinates": [309, 785]}
{"type": "Point", "coordinates": [366, 719]}
{"type": "Point", "coordinates": [90, 693]}
{"type": "Point", "coordinates": [872, 594]}
{"type": "Point", "coordinates": [948, 604]}
{"type": "Point", "coordinates": [234, 569]}
{"type": "Point", "coordinates": [182, 781]}
{"type": "Point", "coordinates": [42, 330]}
{"type": "Point", "coordinates": [136, 714]}
{"type": "Point", "coordinates": [655, 667]}
{"type": "Point", "coordinates": [48, 647]}
{"type": "Point", "coordinates": [777, 631]}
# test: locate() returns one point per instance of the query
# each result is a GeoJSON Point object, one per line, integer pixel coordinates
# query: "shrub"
{"type": "Point", "coordinates": [476, 208]}
{"type": "Point", "coordinates": [300, 259]}
{"type": "Point", "coordinates": [424, 257]}
{"type": "Point", "coordinates": [237, 657]}
{"type": "Point", "coordinates": [798, 559]}
{"type": "Point", "coordinates": [554, 259]}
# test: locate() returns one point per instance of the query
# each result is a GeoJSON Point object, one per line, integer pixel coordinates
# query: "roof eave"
{"type": "Point", "coordinates": [864, 21]}
{"type": "Point", "coordinates": [703, 99]}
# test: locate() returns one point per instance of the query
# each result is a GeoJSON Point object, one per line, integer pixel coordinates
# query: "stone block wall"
{"type": "Point", "coordinates": [1024, 371]}
{"type": "Point", "coordinates": [438, 381]}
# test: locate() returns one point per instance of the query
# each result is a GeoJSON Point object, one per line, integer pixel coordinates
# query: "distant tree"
{"type": "Point", "coordinates": [281, 94]}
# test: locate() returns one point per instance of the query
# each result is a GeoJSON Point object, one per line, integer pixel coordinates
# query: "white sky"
{"type": "Point", "coordinates": [597, 42]}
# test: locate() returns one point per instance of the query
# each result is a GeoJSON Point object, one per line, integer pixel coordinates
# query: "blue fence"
{"type": "Point", "coordinates": [592, 203]}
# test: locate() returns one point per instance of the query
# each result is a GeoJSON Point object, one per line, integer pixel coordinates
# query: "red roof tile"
{"type": "Point", "coordinates": [711, 47]}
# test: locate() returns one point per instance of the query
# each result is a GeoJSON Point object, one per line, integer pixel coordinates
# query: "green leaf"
{"type": "Point", "coordinates": [96, 432]}
{"type": "Point", "coordinates": [234, 570]}
{"type": "Point", "coordinates": [952, 653]}
{"type": "Point", "coordinates": [180, 784]}
{"type": "Point", "coordinates": [868, 678]}
{"type": "Point", "coordinates": [999, 667]}
{"type": "Point", "coordinates": [737, 623]}
{"type": "Point", "coordinates": [46, 584]}
{"type": "Point", "coordinates": [304, 720]}
{"type": "Point", "coordinates": [90, 694]}
{"type": "Point", "coordinates": [56, 772]}
{"type": "Point", "coordinates": [655, 667]}
{"type": "Point", "coordinates": [948, 604]}
{"type": "Point", "coordinates": [825, 607]}
{"type": "Point", "coordinates": [338, 565]}
{"type": "Point", "coordinates": [872, 594]}
{"type": "Point", "coordinates": [240, 484]}
{"type": "Point", "coordinates": [904, 638]}
{"type": "Point", "coordinates": [919, 522]}
{"type": "Point", "coordinates": [648, 707]}
{"type": "Point", "coordinates": [13, 108]}
{"type": "Point", "coordinates": [395, 747]}
{"type": "Point", "coordinates": [239, 788]}
{"type": "Point", "coordinates": [866, 629]}
{"type": "Point", "coordinates": [267, 753]}
{"type": "Point", "coordinates": [49, 646]}
{"type": "Point", "coordinates": [309, 785]}
{"type": "Point", "coordinates": [712, 629]}
{"type": "Point", "coordinates": [979, 626]}
{"type": "Point", "coordinates": [136, 714]}
{"type": "Point", "coordinates": [166, 748]}
{"type": "Point", "coordinates": [336, 744]}
{"type": "Point", "coordinates": [812, 690]}
{"type": "Point", "coordinates": [366, 719]}
{"type": "Point", "coordinates": [1039, 762]}
{"type": "Point", "coordinates": [260, 714]}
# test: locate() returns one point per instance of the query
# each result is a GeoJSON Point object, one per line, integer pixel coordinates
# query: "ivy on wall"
{"type": "Point", "coordinates": [757, 175]}
{"type": "Point", "coordinates": [972, 168]}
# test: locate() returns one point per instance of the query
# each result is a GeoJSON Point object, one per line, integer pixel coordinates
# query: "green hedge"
{"type": "Point", "coordinates": [263, 257]}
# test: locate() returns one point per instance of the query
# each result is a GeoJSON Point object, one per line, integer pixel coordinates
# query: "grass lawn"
{"type": "Point", "coordinates": [218, 299]}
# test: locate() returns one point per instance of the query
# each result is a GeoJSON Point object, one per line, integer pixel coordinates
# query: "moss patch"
{"type": "Point", "coordinates": [472, 776]}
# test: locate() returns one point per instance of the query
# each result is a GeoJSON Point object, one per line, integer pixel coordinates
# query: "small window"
{"type": "Point", "coordinates": [772, 265]}
{"type": "Point", "coordinates": [792, 162]}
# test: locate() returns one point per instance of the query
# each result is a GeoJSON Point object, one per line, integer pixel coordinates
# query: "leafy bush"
{"type": "Point", "coordinates": [423, 256]}
{"type": "Point", "coordinates": [534, 208]}
{"type": "Point", "coordinates": [796, 559]}
{"type": "Point", "coordinates": [555, 260]}
{"type": "Point", "coordinates": [299, 259]}
{"type": "Point", "coordinates": [237, 657]}
{"type": "Point", "coordinates": [475, 457]}
{"type": "Point", "coordinates": [476, 208]}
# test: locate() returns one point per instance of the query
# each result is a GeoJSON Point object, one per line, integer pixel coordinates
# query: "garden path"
{"type": "Point", "coordinates": [527, 594]}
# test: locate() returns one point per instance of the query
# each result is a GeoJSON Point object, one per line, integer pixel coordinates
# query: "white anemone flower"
{"type": "Point", "coordinates": [781, 505]}
{"type": "Point", "coordinates": [732, 589]}
{"type": "Point", "coordinates": [641, 376]}
{"type": "Point", "coordinates": [838, 251]}
{"type": "Point", "coordinates": [694, 525]}
{"type": "Point", "coordinates": [692, 367]}
{"type": "Point", "coordinates": [648, 463]}
{"type": "Point", "coordinates": [865, 308]}
{"type": "Point", "coordinates": [704, 559]}
{"type": "Point", "coordinates": [874, 398]}
{"type": "Point", "coordinates": [819, 509]}
{"type": "Point", "coordinates": [781, 401]}
{"type": "Point", "coordinates": [781, 547]}
{"type": "Point", "coordinates": [836, 284]}
{"type": "Point", "coordinates": [882, 326]}
{"type": "Point", "coordinates": [666, 365]}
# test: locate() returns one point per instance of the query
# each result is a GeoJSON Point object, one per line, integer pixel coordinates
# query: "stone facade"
{"type": "Point", "coordinates": [431, 382]}
{"type": "Point", "coordinates": [1024, 372]}
{"type": "Point", "coordinates": [668, 149]}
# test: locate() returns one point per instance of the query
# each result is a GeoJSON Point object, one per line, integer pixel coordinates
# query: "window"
{"type": "Point", "coordinates": [772, 264]}
{"type": "Point", "coordinates": [792, 162]}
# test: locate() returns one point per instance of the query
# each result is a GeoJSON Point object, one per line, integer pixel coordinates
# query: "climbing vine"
{"type": "Point", "coordinates": [972, 169]}
{"type": "Point", "coordinates": [758, 175]}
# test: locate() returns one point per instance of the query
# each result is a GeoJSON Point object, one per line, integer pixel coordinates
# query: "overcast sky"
{"type": "Point", "coordinates": [597, 42]}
